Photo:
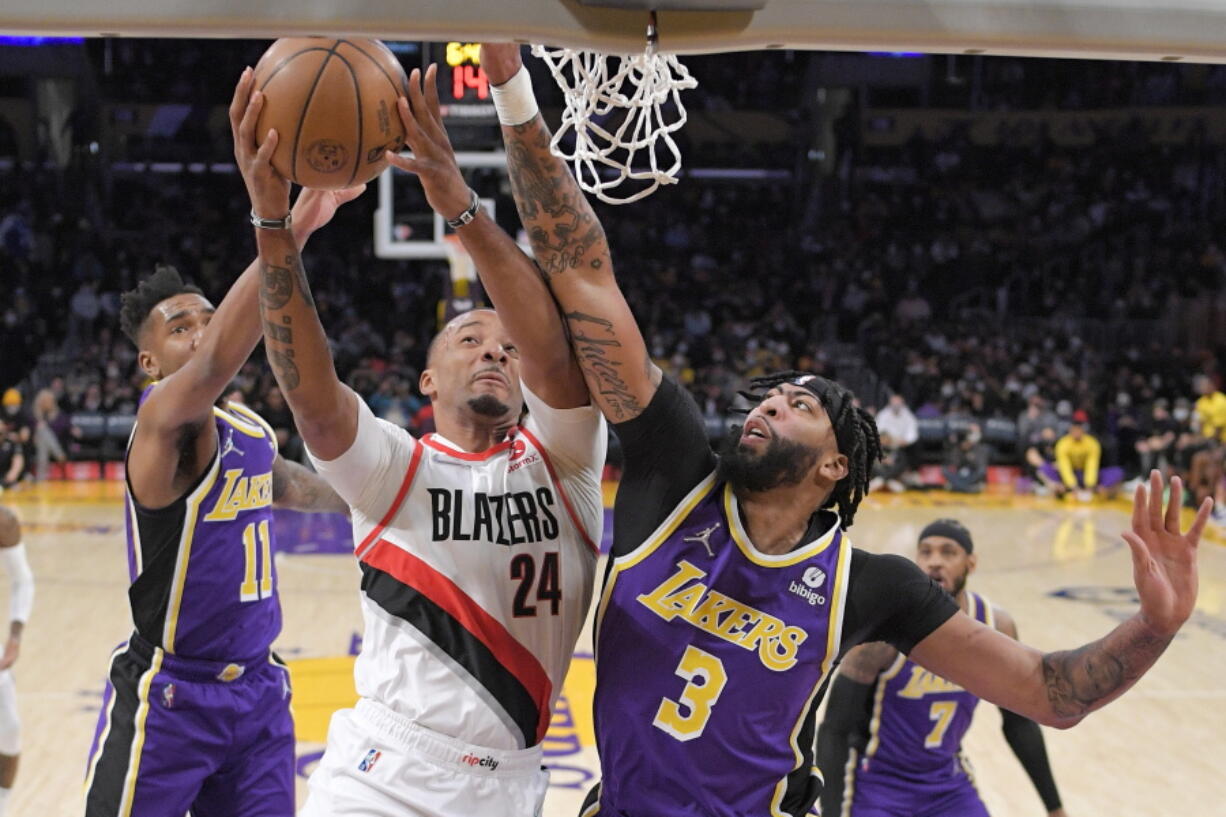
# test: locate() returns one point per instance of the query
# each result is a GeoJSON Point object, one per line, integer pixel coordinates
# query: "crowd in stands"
{"type": "Point", "coordinates": [999, 293]}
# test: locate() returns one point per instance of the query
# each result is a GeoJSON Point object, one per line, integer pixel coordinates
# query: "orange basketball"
{"type": "Point", "coordinates": [333, 105]}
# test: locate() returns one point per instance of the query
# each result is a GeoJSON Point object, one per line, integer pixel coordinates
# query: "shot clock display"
{"type": "Point", "coordinates": [463, 88]}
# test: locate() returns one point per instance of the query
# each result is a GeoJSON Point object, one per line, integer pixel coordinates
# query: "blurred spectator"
{"type": "Point", "coordinates": [1210, 408]}
{"type": "Point", "coordinates": [53, 430]}
{"type": "Point", "coordinates": [12, 458]}
{"type": "Point", "coordinates": [1077, 466]}
{"type": "Point", "coordinates": [1034, 422]}
{"type": "Point", "coordinates": [18, 419]}
{"type": "Point", "coordinates": [966, 461]}
{"type": "Point", "coordinates": [1038, 458]}
{"type": "Point", "coordinates": [899, 431]}
{"type": "Point", "coordinates": [1158, 437]}
{"type": "Point", "coordinates": [393, 401]}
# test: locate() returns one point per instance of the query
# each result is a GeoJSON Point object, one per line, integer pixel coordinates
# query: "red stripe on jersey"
{"type": "Point", "coordinates": [557, 483]}
{"type": "Point", "coordinates": [469, 455]}
{"type": "Point", "coordinates": [405, 484]}
{"type": "Point", "coordinates": [515, 657]}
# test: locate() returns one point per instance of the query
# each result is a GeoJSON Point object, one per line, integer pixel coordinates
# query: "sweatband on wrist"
{"type": "Point", "coordinates": [21, 596]}
{"type": "Point", "coordinates": [514, 99]}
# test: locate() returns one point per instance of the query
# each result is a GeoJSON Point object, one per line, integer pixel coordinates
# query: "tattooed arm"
{"type": "Point", "coordinates": [573, 254]}
{"type": "Point", "coordinates": [301, 489]}
{"type": "Point", "coordinates": [325, 410]}
{"type": "Point", "coordinates": [1060, 688]}
{"type": "Point", "coordinates": [171, 419]}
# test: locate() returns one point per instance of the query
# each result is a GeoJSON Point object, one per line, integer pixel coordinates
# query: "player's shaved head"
{"type": "Point", "coordinates": [454, 325]}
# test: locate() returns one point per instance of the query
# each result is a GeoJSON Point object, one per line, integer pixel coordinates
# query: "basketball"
{"type": "Point", "coordinates": [333, 105]}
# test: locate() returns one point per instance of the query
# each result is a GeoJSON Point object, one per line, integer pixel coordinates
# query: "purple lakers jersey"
{"type": "Point", "coordinates": [203, 576]}
{"type": "Point", "coordinates": [919, 718]}
{"type": "Point", "coordinates": [697, 621]}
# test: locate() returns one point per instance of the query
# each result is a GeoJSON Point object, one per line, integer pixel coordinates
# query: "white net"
{"type": "Point", "coordinates": [622, 111]}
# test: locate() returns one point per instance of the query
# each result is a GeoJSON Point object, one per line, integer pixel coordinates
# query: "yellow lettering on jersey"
{"type": "Point", "coordinates": [658, 600]}
{"type": "Point", "coordinates": [241, 494]}
{"type": "Point", "coordinates": [725, 617]}
{"type": "Point", "coordinates": [922, 682]}
{"type": "Point", "coordinates": [706, 615]}
{"type": "Point", "coordinates": [775, 642]}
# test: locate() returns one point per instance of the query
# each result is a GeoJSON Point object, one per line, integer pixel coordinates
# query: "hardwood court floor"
{"type": "Point", "coordinates": [1060, 569]}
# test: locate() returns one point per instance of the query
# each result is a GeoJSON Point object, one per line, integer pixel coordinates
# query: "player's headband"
{"type": "Point", "coordinates": [950, 529]}
{"type": "Point", "coordinates": [835, 399]}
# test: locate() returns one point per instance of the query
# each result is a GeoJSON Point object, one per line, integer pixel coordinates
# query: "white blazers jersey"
{"type": "Point", "coordinates": [477, 568]}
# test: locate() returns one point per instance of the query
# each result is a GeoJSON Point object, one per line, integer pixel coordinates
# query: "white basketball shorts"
{"type": "Point", "coordinates": [379, 764]}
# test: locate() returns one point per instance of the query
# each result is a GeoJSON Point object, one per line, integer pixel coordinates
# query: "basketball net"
{"type": "Point", "coordinates": [650, 111]}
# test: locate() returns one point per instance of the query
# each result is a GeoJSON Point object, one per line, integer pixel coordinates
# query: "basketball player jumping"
{"type": "Point", "coordinates": [477, 544]}
{"type": "Point", "coordinates": [21, 601]}
{"type": "Point", "coordinates": [902, 726]}
{"type": "Point", "coordinates": [710, 654]}
{"type": "Point", "coordinates": [196, 709]}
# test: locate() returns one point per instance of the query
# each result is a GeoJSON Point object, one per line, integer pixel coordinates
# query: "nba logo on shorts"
{"type": "Point", "coordinates": [369, 761]}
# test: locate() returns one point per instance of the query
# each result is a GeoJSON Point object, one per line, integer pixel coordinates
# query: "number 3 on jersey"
{"type": "Point", "coordinates": [706, 677]}
{"type": "Point", "coordinates": [251, 591]}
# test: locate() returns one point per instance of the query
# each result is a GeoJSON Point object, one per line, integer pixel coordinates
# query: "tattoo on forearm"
{"type": "Point", "coordinates": [277, 332]}
{"type": "Point", "coordinates": [560, 222]}
{"type": "Point", "coordinates": [276, 286]}
{"type": "Point", "coordinates": [284, 368]}
{"type": "Point", "coordinates": [1080, 680]}
{"type": "Point", "coordinates": [294, 262]}
{"type": "Point", "coordinates": [592, 353]}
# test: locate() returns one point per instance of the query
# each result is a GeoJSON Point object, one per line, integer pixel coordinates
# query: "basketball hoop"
{"type": "Point", "coordinates": [592, 84]}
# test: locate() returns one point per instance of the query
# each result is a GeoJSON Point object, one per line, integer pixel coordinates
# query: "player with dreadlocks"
{"type": "Point", "coordinates": [732, 589]}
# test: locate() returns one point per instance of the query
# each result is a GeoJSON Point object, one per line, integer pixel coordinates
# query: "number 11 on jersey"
{"type": "Point", "coordinates": [252, 590]}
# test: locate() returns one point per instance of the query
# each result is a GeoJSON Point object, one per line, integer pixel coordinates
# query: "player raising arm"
{"type": "Point", "coordinates": [733, 588]}
{"type": "Point", "coordinates": [202, 477]}
{"type": "Point", "coordinates": [477, 544]}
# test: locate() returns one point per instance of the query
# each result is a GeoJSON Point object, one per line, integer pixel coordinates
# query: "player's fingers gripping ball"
{"type": "Point", "coordinates": [333, 105]}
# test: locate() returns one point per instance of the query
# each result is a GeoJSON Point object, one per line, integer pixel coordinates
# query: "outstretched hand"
{"type": "Point", "coordinates": [268, 189]}
{"type": "Point", "coordinates": [433, 159]}
{"type": "Point", "coordinates": [1164, 558]}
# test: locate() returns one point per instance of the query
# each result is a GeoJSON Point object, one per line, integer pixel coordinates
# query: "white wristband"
{"type": "Point", "coordinates": [514, 99]}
